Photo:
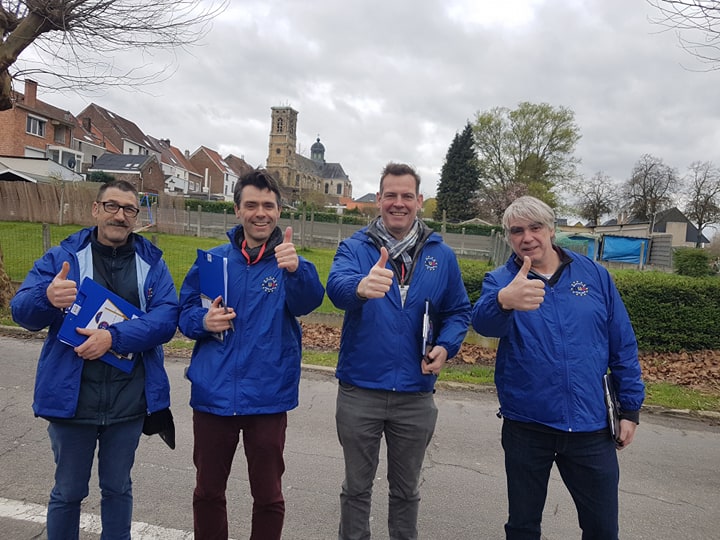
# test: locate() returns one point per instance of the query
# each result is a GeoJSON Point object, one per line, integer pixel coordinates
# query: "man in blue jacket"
{"type": "Point", "coordinates": [561, 325]}
{"type": "Point", "coordinates": [245, 367]}
{"type": "Point", "coordinates": [382, 276]}
{"type": "Point", "coordinates": [88, 402]}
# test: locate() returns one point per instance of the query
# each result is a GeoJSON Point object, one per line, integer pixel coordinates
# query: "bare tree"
{"type": "Point", "coordinates": [597, 197]}
{"type": "Point", "coordinates": [74, 42]}
{"type": "Point", "coordinates": [650, 187]}
{"type": "Point", "coordinates": [697, 24]}
{"type": "Point", "coordinates": [702, 185]}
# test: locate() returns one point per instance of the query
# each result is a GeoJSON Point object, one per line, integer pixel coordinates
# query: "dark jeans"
{"type": "Point", "coordinates": [588, 466]}
{"type": "Point", "coordinates": [407, 419]}
{"type": "Point", "coordinates": [73, 447]}
{"type": "Point", "coordinates": [216, 439]}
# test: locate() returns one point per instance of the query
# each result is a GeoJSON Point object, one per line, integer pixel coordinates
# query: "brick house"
{"type": "Point", "coordinates": [35, 129]}
{"type": "Point", "coordinates": [142, 171]}
{"type": "Point", "coordinates": [180, 174]}
{"type": "Point", "coordinates": [218, 177]}
{"type": "Point", "coordinates": [122, 133]}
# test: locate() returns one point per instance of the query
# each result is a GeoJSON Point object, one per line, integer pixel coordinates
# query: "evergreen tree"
{"type": "Point", "coordinates": [459, 179]}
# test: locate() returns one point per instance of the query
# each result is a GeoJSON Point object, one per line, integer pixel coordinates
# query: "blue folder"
{"type": "Point", "coordinates": [97, 307]}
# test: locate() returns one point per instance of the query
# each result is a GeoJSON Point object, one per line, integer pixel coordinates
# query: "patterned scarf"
{"type": "Point", "coordinates": [397, 248]}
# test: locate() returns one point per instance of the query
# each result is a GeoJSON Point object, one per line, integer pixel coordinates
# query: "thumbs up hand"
{"type": "Point", "coordinates": [378, 281]}
{"type": "Point", "coordinates": [521, 293]}
{"type": "Point", "coordinates": [285, 253]}
{"type": "Point", "coordinates": [62, 291]}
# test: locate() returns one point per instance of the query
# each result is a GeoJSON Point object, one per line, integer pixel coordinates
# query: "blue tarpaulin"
{"type": "Point", "coordinates": [625, 249]}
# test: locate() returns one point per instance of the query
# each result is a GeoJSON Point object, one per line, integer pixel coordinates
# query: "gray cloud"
{"type": "Point", "coordinates": [394, 80]}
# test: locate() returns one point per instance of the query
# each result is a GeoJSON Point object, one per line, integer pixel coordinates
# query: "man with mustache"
{"type": "Point", "coordinates": [90, 403]}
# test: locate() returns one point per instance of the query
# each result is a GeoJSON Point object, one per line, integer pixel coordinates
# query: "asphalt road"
{"type": "Point", "coordinates": [670, 483]}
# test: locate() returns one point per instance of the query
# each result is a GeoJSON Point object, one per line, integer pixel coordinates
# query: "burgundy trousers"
{"type": "Point", "coordinates": [216, 439]}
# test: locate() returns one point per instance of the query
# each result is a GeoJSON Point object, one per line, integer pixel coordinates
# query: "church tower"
{"type": "Point", "coordinates": [281, 153]}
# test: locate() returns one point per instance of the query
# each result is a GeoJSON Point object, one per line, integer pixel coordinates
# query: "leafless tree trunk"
{"type": "Point", "coordinates": [6, 289]}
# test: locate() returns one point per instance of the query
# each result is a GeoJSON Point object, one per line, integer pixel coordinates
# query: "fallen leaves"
{"type": "Point", "coordinates": [696, 369]}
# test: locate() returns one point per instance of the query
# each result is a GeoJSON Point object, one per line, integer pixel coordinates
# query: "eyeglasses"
{"type": "Point", "coordinates": [113, 208]}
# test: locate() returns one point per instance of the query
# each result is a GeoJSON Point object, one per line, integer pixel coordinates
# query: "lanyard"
{"type": "Point", "coordinates": [247, 257]}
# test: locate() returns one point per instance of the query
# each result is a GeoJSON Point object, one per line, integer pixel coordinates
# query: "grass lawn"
{"type": "Point", "coordinates": [22, 244]}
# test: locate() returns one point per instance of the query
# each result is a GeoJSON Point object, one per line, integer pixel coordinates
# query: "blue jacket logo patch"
{"type": "Point", "coordinates": [269, 284]}
{"type": "Point", "coordinates": [578, 288]}
{"type": "Point", "coordinates": [431, 263]}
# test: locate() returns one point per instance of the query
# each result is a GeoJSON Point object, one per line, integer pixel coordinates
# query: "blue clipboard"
{"type": "Point", "coordinates": [213, 274]}
{"type": "Point", "coordinates": [97, 307]}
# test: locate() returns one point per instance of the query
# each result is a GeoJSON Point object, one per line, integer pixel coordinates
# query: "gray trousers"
{"type": "Point", "coordinates": [407, 419]}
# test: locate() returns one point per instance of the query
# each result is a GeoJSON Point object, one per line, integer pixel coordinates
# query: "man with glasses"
{"type": "Point", "coordinates": [87, 402]}
{"type": "Point", "coordinates": [383, 276]}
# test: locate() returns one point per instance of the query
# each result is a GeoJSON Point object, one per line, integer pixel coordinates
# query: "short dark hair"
{"type": "Point", "coordinates": [400, 169]}
{"type": "Point", "coordinates": [261, 179]}
{"type": "Point", "coordinates": [122, 185]}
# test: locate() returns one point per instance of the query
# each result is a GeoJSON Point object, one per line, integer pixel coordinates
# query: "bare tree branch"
{"type": "Point", "coordinates": [76, 41]}
{"type": "Point", "coordinates": [697, 25]}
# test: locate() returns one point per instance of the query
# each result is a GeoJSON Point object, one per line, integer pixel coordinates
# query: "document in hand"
{"type": "Point", "coordinates": [96, 307]}
{"type": "Point", "coordinates": [612, 406]}
{"type": "Point", "coordinates": [212, 270]}
{"type": "Point", "coordinates": [428, 330]}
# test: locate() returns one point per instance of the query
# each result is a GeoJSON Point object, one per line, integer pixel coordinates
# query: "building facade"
{"type": "Point", "coordinates": [297, 174]}
{"type": "Point", "coordinates": [35, 129]}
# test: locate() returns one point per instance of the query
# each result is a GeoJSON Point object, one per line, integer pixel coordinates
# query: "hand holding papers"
{"type": "Point", "coordinates": [97, 308]}
{"type": "Point", "coordinates": [212, 270]}
{"type": "Point", "coordinates": [428, 334]}
{"type": "Point", "coordinates": [613, 408]}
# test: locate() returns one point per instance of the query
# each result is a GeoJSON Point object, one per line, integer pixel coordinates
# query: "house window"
{"type": "Point", "coordinates": [339, 189]}
{"type": "Point", "coordinates": [59, 134]}
{"type": "Point", "coordinates": [36, 126]}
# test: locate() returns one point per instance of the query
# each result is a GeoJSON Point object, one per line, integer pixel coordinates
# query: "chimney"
{"type": "Point", "coordinates": [30, 93]}
{"type": "Point", "coordinates": [187, 154]}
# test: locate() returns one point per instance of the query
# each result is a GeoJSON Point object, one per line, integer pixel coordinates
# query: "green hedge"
{"type": "Point", "coordinates": [671, 313]}
{"type": "Point", "coordinates": [473, 273]}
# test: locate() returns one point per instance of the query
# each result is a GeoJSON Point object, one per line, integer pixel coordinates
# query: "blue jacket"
{"type": "Point", "coordinates": [381, 343]}
{"type": "Point", "coordinates": [59, 371]}
{"type": "Point", "coordinates": [550, 361]}
{"type": "Point", "coordinates": [256, 368]}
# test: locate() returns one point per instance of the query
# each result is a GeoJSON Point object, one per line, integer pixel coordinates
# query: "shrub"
{"type": "Point", "coordinates": [692, 262]}
{"type": "Point", "coordinates": [669, 312]}
{"type": "Point", "coordinates": [473, 273]}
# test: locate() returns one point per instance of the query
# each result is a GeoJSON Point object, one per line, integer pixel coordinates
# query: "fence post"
{"type": "Point", "coordinates": [199, 214]}
{"type": "Point", "coordinates": [312, 224]}
{"type": "Point", "coordinates": [225, 223]}
{"type": "Point", "coordinates": [462, 242]}
{"type": "Point", "coordinates": [642, 258]}
{"type": "Point", "coordinates": [302, 229]}
{"type": "Point", "coordinates": [45, 237]}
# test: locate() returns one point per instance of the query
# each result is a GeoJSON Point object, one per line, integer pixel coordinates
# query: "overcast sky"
{"type": "Point", "coordinates": [396, 79]}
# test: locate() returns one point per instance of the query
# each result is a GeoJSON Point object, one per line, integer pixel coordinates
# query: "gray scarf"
{"type": "Point", "coordinates": [395, 247]}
